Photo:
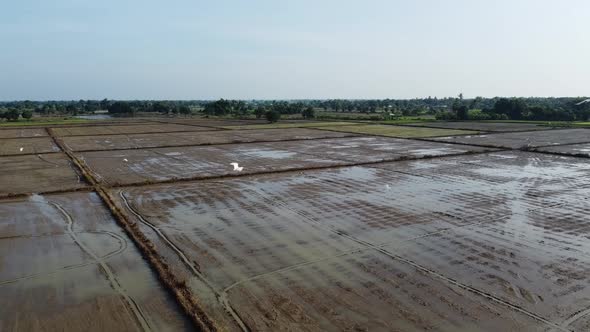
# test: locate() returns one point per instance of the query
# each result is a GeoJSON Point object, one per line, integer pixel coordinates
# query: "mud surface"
{"type": "Point", "coordinates": [494, 241]}
{"type": "Point", "coordinates": [125, 129]}
{"type": "Point", "coordinates": [370, 149]}
{"type": "Point", "coordinates": [135, 141]}
{"type": "Point", "coordinates": [294, 124]}
{"type": "Point", "coordinates": [524, 139]}
{"type": "Point", "coordinates": [21, 132]}
{"type": "Point", "coordinates": [582, 150]}
{"type": "Point", "coordinates": [212, 122]}
{"type": "Point", "coordinates": [231, 122]}
{"type": "Point", "coordinates": [320, 230]}
{"type": "Point", "coordinates": [398, 131]}
{"type": "Point", "coordinates": [164, 164]}
{"type": "Point", "coordinates": [37, 173]}
{"type": "Point", "coordinates": [482, 126]}
{"type": "Point", "coordinates": [66, 265]}
{"type": "Point", "coordinates": [17, 146]}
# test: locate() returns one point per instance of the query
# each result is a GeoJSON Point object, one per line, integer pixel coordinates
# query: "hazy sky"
{"type": "Point", "coordinates": [280, 49]}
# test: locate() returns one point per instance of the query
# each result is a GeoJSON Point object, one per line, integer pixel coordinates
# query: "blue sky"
{"type": "Point", "coordinates": [190, 49]}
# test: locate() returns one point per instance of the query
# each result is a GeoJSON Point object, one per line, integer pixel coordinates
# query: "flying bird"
{"type": "Point", "coordinates": [125, 160]}
{"type": "Point", "coordinates": [236, 167]}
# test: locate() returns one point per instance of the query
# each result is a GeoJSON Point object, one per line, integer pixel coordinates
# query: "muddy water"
{"type": "Point", "coordinates": [574, 149]}
{"type": "Point", "coordinates": [483, 126]}
{"type": "Point", "coordinates": [305, 250]}
{"type": "Point", "coordinates": [67, 265]}
{"type": "Point", "coordinates": [266, 153]}
{"type": "Point", "coordinates": [160, 164]}
{"type": "Point", "coordinates": [521, 139]}
{"type": "Point", "coordinates": [132, 166]}
{"type": "Point", "coordinates": [536, 254]}
{"type": "Point", "coordinates": [366, 292]}
{"type": "Point", "coordinates": [367, 149]}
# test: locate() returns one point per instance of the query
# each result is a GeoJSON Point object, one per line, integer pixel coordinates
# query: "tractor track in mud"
{"type": "Point", "coordinates": [123, 246]}
{"type": "Point", "coordinates": [177, 287]}
{"type": "Point", "coordinates": [139, 316]}
{"type": "Point", "coordinates": [39, 155]}
{"type": "Point", "coordinates": [185, 260]}
{"type": "Point", "coordinates": [576, 316]}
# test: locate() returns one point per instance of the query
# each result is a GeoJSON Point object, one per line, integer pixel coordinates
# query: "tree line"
{"type": "Point", "coordinates": [452, 108]}
{"type": "Point", "coordinates": [536, 109]}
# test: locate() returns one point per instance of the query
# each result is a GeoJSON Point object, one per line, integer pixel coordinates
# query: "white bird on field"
{"type": "Point", "coordinates": [125, 160]}
{"type": "Point", "coordinates": [236, 167]}
{"type": "Point", "coordinates": [21, 149]}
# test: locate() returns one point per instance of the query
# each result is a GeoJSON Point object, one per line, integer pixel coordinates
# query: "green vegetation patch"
{"type": "Point", "coordinates": [292, 125]}
{"type": "Point", "coordinates": [398, 131]}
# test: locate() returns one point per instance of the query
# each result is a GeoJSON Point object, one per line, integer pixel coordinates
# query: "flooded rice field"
{"type": "Point", "coordinates": [125, 129]}
{"type": "Point", "coordinates": [138, 141]}
{"type": "Point", "coordinates": [482, 126]}
{"type": "Point", "coordinates": [67, 265]}
{"type": "Point", "coordinates": [27, 145]}
{"type": "Point", "coordinates": [38, 173]}
{"type": "Point", "coordinates": [398, 131]}
{"type": "Point", "coordinates": [582, 150]}
{"type": "Point", "coordinates": [163, 164]}
{"type": "Point", "coordinates": [213, 122]}
{"type": "Point", "coordinates": [326, 243]}
{"type": "Point", "coordinates": [310, 230]}
{"type": "Point", "coordinates": [519, 140]}
{"type": "Point", "coordinates": [22, 132]}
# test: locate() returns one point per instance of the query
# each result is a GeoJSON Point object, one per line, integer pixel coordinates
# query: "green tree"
{"type": "Point", "coordinates": [104, 104]}
{"type": "Point", "coordinates": [12, 114]}
{"type": "Point", "coordinates": [161, 107]}
{"type": "Point", "coordinates": [475, 103]}
{"type": "Point", "coordinates": [461, 110]}
{"type": "Point", "coordinates": [272, 116]}
{"type": "Point", "coordinates": [185, 110]}
{"type": "Point", "coordinates": [514, 108]}
{"type": "Point", "coordinates": [259, 112]}
{"type": "Point", "coordinates": [27, 114]}
{"type": "Point", "coordinates": [219, 108]}
{"type": "Point", "coordinates": [308, 113]}
{"type": "Point", "coordinates": [72, 109]}
{"type": "Point", "coordinates": [120, 107]}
